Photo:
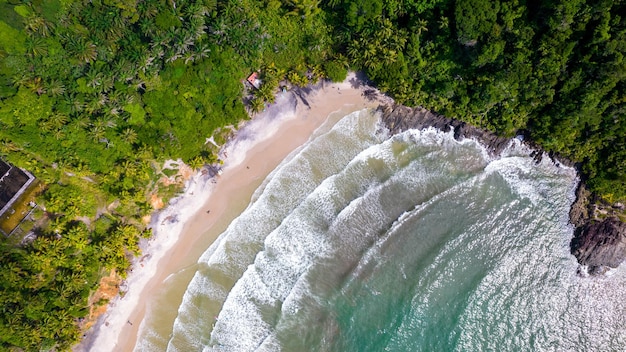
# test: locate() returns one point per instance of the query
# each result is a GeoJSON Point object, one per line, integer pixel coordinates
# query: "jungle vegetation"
{"type": "Point", "coordinates": [94, 95]}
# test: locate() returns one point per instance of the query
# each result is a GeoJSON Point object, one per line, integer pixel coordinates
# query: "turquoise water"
{"type": "Point", "coordinates": [361, 241]}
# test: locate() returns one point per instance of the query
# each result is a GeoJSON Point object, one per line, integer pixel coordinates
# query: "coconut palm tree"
{"type": "Point", "coordinates": [58, 120]}
{"type": "Point", "coordinates": [55, 88]}
{"type": "Point", "coordinates": [97, 133]}
{"type": "Point", "coordinates": [83, 50]}
{"type": "Point", "coordinates": [189, 57]}
{"type": "Point", "coordinates": [202, 51]}
{"type": "Point", "coordinates": [76, 105]}
{"type": "Point", "coordinates": [58, 134]}
{"type": "Point", "coordinates": [104, 123]}
{"type": "Point", "coordinates": [7, 146]}
{"type": "Point", "coordinates": [94, 78]}
{"type": "Point", "coordinates": [36, 46]}
{"type": "Point", "coordinates": [422, 26]}
{"type": "Point", "coordinates": [46, 126]}
{"type": "Point", "coordinates": [36, 86]}
{"type": "Point", "coordinates": [257, 104]}
{"type": "Point", "coordinates": [93, 106]}
{"type": "Point", "coordinates": [304, 8]}
{"type": "Point", "coordinates": [35, 24]}
{"type": "Point", "coordinates": [129, 135]}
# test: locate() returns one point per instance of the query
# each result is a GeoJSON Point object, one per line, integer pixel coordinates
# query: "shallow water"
{"type": "Point", "coordinates": [364, 242]}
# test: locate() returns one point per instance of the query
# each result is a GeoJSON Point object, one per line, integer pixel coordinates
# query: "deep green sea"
{"type": "Point", "coordinates": [362, 241]}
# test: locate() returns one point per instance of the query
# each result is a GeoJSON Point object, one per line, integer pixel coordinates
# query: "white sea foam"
{"type": "Point", "coordinates": [531, 180]}
{"type": "Point", "coordinates": [240, 325]}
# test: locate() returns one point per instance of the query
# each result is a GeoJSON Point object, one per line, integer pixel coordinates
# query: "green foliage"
{"type": "Point", "coordinates": [44, 290]}
{"type": "Point", "coordinates": [336, 71]}
{"type": "Point", "coordinates": [137, 114]}
{"type": "Point", "coordinates": [12, 40]}
{"type": "Point", "coordinates": [166, 20]}
{"type": "Point", "coordinates": [475, 19]}
{"type": "Point", "coordinates": [92, 94]}
{"type": "Point", "coordinates": [22, 10]}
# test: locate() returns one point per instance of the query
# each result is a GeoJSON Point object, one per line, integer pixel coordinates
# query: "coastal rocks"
{"type": "Point", "coordinates": [599, 239]}
{"type": "Point", "coordinates": [581, 210]}
{"type": "Point", "coordinates": [600, 245]}
{"type": "Point", "coordinates": [399, 118]}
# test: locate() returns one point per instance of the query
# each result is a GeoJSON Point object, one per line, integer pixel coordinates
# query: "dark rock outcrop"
{"type": "Point", "coordinates": [599, 239]}
{"type": "Point", "coordinates": [597, 244]}
{"type": "Point", "coordinates": [600, 244]}
{"type": "Point", "coordinates": [581, 210]}
{"type": "Point", "coordinates": [400, 118]}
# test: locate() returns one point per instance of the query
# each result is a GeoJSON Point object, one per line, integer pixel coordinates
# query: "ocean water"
{"type": "Point", "coordinates": [362, 241]}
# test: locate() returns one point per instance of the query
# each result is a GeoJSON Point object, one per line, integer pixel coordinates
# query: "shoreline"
{"type": "Point", "coordinates": [250, 155]}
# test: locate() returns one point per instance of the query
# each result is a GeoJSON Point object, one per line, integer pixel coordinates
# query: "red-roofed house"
{"type": "Point", "coordinates": [254, 80]}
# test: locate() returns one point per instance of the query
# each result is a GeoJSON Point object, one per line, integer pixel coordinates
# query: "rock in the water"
{"type": "Point", "coordinates": [600, 244]}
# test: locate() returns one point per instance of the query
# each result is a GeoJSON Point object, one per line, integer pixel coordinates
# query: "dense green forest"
{"type": "Point", "coordinates": [94, 95]}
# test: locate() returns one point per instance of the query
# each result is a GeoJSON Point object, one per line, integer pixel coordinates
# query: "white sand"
{"type": "Point", "coordinates": [258, 147]}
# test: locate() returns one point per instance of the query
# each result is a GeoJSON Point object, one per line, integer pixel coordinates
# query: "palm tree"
{"type": "Point", "coordinates": [94, 78]}
{"type": "Point", "coordinates": [202, 51]}
{"type": "Point", "coordinates": [93, 106]}
{"type": "Point", "coordinates": [97, 133]}
{"type": "Point", "coordinates": [35, 24]}
{"type": "Point", "coordinates": [58, 120]}
{"type": "Point", "coordinates": [266, 92]}
{"type": "Point", "coordinates": [108, 81]}
{"type": "Point", "coordinates": [129, 135]}
{"type": "Point", "coordinates": [58, 226]}
{"type": "Point", "coordinates": [6, 146]}
{"type": "Point", "coordinates": [36, 86]}
{"type": "Point", "coordinates": [196, 163]}
{"type": "Point", "coordinates": [20, 79]}
{"type": "Point", "coordinates": [145, 152]}
{"type": "Point", "coordinates": [304, 8]}
{"type": "Point", "coordinates": [257, 104]}
{"type": "Point", "coordinates": [104, 123]}
{"type": "Point", "coordinates": [171, 55]}
{"type": "Point", "coordinates": [354, 50]}
{"type": "Point", "coordinates": [421, 26]}
{"type": "Point", "coordinates": [55, 88]}
{"type": "Point", "coordinates": [46, 126]}
{"type": "Point", "coordinates": [82, 49]}
{"type": "Point", "coordinates": [36, 46]}
{"type": "Point", "coordinates": [76, 106]}
{"type": "Point", "coordinates": [443, 22]}
{"type": "Point", "coordinates": [123, 69]}
{"type": "Point", "coordinates": [86, 51]}
{"type": "Point", "coordinates": [147, 9]}
{"type": "Point", "coordinates": [59, 134]}
{"type": "Point", "coordinates": [189, 57]}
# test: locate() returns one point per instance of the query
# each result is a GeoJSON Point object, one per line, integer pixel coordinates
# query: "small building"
{"type": "Point", "coordinates": [13, 183]}
{"type": "Point", "coordinates": [254, 80]}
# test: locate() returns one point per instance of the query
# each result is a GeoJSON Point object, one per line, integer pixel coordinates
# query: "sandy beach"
{"type": "Point", "coordinates": [207, 205]}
